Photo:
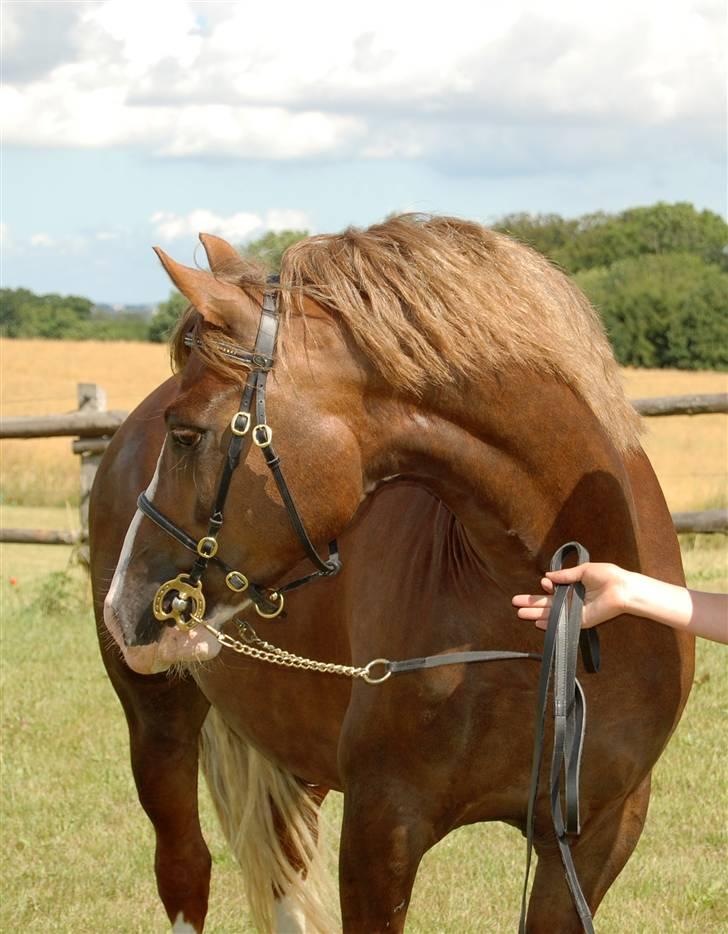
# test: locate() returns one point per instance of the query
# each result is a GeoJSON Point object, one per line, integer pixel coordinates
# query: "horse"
{"type": "Point", "coordinates": [445, 404]}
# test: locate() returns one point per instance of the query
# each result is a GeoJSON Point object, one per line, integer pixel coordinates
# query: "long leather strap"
{"type": "Point", "coordinates": [559, 656]}
{"type": "Point", "coordinates": [454, 658]}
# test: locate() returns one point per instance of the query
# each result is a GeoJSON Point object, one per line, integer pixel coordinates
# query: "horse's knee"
{"type": "Point", "coordinates": [387, 828]}
{"type": "Point", "coordinates": [607, 840]}
{"type": "Point", "coordinates": [165, 766]}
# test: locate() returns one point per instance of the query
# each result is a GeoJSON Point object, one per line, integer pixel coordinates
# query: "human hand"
{"type": "Point", "coordinates": [605, 596]}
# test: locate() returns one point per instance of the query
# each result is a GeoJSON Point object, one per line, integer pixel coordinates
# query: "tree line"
{"type": "Point", "coordinates": [658, 276]}
{"type": "Point", "coordinates": [70, 317]}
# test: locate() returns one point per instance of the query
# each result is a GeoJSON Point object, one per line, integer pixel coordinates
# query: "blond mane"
{"type": "Point", "coordinates": [436, 300]}
{"type": "Point", "coordinates": [431, 300]}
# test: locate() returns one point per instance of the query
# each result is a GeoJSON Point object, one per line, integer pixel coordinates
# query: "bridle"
{"type": "Point", "coordinates": [180, 601]}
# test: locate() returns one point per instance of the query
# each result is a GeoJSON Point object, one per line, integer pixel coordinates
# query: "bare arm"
{"type": "Point", "coordinates": [611, 591]}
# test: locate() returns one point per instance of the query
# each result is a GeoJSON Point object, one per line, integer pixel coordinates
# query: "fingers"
{"type": "Point", "coordinates": [535, 607]}
{"type": "Point", "coordinates": [532, 606]}
{"type": "Point", "coordinates": [567, 575]}
{"type": "Point", "coordinates": [533, 613]}
{"type": "Point", "coordinates": [531, 600]}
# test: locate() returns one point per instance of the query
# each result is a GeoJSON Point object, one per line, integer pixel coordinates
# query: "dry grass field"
{"type": "Point", "coordinates": [39, 377]}
{"type": "Point", "coordinates": [690, 455]}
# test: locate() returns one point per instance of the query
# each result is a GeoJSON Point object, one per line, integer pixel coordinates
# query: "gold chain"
{"type": "Point", "coordinates": [263, 651]}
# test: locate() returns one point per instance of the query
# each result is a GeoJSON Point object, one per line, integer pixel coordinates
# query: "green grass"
{"type": "Point", "coordinates": [77, 849]}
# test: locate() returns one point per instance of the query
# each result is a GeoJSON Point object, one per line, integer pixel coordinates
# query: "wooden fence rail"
{"type": "Point", "coordinates": [715, 403]}
{"type": "Point", "coordinates": [92, 426]}
{"type": "Point", "coordinates": [82, 424]}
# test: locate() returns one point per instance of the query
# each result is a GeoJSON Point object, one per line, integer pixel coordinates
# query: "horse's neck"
{"type": "Point", "coordinates": [524, 465]}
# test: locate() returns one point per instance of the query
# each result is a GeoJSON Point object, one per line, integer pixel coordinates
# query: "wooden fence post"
{"type": "Point", "coordinates": [91, 398]}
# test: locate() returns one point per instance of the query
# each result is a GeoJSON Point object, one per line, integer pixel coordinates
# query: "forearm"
{"type": "Point", "coordinates": [701, 614]}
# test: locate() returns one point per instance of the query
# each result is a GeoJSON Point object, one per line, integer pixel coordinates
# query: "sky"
{"type": "Point", "coordinates": [127, 124]}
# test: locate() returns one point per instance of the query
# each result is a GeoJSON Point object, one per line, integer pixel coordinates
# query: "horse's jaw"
{"type": "Point", "coordinates": [173, 647]}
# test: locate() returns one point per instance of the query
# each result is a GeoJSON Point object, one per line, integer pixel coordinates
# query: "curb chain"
{"type": "Point", "coordinates": [255, 647]}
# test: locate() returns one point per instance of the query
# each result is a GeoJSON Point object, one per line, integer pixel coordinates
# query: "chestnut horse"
{"type": "Point", "coordinates": [445, 402]}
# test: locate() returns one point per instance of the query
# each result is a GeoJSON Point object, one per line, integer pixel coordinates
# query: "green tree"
{"type": "Point", "coordinates": [665, 310]}
{"type": "Point", "coordinates": [25, 314]}
{"type": "Point", "coordinates": [597, 240]}
{"type": "Point", "coordinates": [165, 318]}
{"type": "Point", "coordinates": [269, 248]}
{"type": "Point", "coordinates": [11, 304]}
{"type": "Point", "coordinates": [662, 228]}
{"type": "Point", "coordinates": [550, 234]}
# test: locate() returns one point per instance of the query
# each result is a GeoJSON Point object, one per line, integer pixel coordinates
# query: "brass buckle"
{"type": "Point", "coordinates": [207, 547]}
{"type": "Point", "coordinates": [275, 596]}
{"type": "Point", "coordinates": [190, 602]}
{"type": "Point", "coordinates": [246, 423]}
{"type": "Point", "coordinates": [267, 435]}
{"type": "Point", "coordinates": [236, 581]}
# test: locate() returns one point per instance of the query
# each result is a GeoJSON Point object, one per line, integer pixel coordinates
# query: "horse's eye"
{"type": "Point", "coordinates": [186, 437]}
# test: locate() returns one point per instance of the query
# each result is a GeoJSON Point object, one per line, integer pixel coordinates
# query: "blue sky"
{"type": "Point", "coordinates": [127, 124]}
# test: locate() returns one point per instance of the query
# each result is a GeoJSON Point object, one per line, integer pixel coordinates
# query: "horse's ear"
{"type": "Point", "coordinates": [220, 255]}
{"type": "Point", "coordinates": [219, 302]}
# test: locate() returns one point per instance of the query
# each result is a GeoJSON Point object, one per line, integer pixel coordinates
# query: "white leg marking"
{"type": "Point", "coordinates": [289, 917]}
{"type": "Point", "coordinates": [181, 926]}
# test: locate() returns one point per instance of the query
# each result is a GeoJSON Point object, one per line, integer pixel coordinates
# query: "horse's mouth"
{"type": "Point", "coordinates": [156, 647]}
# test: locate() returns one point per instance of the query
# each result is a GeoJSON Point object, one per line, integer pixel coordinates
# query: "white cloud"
{"type": "Point", "coordinates": [286, 219]}
{"type": "Point", "coordinates": [236, 227]}
{"type": "Point", "coordinates": [493, 83]}
{"type": "Point", "coordinates": [72, 244]}
{"type": "Point", "coordinates": [42, 240]}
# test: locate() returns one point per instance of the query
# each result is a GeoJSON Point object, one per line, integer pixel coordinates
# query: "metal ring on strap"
{"type": "Point", "coordinates": [370, 678]}
{"type": "Point", "coordinates": [276, 596]}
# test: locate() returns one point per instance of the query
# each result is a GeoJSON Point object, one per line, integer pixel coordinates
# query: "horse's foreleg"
{"type": "Point", "coordinates": [600, 853]}
{"type": "Point", "coordinates": [164, 725]}
{"type": "Point", "coordinates": [385, 833]}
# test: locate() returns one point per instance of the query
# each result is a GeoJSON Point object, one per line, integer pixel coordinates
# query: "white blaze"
{"type": "Point", "coordinates": [128, 547]}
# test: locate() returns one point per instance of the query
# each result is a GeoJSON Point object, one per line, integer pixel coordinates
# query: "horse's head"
{"type": "Point", "coordinates": [216, 529]}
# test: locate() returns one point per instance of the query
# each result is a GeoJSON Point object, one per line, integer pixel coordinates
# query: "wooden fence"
{"type": "Point", "coordinates": [92, 426]}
